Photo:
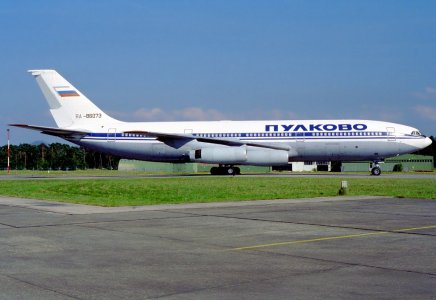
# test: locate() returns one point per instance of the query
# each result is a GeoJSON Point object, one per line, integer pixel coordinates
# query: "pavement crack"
{"type": "Point", "coordinates": [319, 225]}
{"type": "Point", "coordinates": [40, 286]}
{"type": "Point", "coordinates": [100, 222]}
{"type": "Point", "coordinates": [8, 225]}
{"type": "Point", "coordinates": [243, 282]}
{"type": "Point", "coordinates": [345, 263]}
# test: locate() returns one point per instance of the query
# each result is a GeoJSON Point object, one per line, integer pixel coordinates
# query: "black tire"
{"type": "Point", "coordinates": [214, 171]}
{"type": "Point", "coordinates": [230, 171]}
{"type": "Point", "coordinates": [237, 171]}
{"type": "Point", "coordinates": [376, 171]}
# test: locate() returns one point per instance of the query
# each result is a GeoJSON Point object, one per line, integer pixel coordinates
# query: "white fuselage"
{"type": "Point", "coordinates": [308, 140]}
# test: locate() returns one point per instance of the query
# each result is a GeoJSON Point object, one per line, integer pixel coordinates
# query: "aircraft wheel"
{"type": "Point", "coordinates": [225, 171]}
{"type": "Point", "coordinates": [375, 171]}
{"type": "Point", "coordinates": [214, 171]}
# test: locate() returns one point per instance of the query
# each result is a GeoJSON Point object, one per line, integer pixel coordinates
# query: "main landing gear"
{"type": "Point", "coordinates": [225, 170]}
{"type": "Point", "coordinates": [375, 168]}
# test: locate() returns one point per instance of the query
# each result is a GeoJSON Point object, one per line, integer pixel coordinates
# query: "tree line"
{"type": "Point", "coordinates": [55, 156]}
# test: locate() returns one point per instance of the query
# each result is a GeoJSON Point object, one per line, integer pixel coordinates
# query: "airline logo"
{"type": "Point", "coordinates": [314, 127]}
{"type": "Point", "coordinates": [66, 91]}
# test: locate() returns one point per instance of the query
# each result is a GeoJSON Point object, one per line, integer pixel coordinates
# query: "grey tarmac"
{"type": "Point", "coordinates": [329, 248]}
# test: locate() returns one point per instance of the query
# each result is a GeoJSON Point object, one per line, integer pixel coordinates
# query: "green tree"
{"type": "Point", "coordinates": [55, 156]}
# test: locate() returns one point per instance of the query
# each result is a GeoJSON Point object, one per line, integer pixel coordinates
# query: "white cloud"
{"type": "Point", "coordinates": [200, 114]}
{"type": "Point", "coordinates": [428, 93]}
{"type": "Point", "coordinates": [186, 114]}
{"type": "Point", "coordinates": [153, 114]}
{"type": "Point", "coordinates": [426, 112]}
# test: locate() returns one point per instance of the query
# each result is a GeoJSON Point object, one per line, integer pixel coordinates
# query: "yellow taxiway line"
{"type": "Point", "coordinates": [349, 236]}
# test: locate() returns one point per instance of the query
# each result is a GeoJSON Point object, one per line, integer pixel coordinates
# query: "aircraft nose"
{"type": "Point", "coordinates": [427, 142]}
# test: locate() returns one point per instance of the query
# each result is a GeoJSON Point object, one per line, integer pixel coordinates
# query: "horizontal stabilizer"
{"type": "Point", "coordinates": [227, 142]}
{"type": "Point", "coordinates": [64, 133]}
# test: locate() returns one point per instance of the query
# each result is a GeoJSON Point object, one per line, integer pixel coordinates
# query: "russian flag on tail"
{"type": "Point", "coordinates": [66, 91]}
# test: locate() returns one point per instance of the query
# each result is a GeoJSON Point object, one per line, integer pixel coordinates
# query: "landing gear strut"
{"type": "Point", "coordinates": [375, 168]}
{"type": "Point", "coordinates": [225, 170]}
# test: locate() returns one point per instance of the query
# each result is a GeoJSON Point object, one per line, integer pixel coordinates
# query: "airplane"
{"type": "Point", "coordinates": [226, 143]}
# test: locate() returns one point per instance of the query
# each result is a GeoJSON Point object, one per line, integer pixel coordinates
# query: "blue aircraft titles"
{"type": "Point", "coordinates": [314, 127]}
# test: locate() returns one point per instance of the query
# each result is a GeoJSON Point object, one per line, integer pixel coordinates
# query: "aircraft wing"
{"type": "Point", "coordinates": [166, 137]}
{"type": "Point", "coordinates": [64, 133]}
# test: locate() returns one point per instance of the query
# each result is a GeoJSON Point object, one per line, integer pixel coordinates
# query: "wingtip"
{"type": "Point", "coordinates": [18, 125]}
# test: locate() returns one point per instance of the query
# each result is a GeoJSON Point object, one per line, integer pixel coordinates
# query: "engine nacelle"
{"type": "Point", "coordinates": [243, 155]}
{"type": "Point", "coordinates": [266, 157]}
{"type": "Point", "coordinates": [219, 155]}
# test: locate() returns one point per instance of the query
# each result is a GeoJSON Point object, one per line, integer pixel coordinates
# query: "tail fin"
{"type": "Point", "coordinates": [68, 106]}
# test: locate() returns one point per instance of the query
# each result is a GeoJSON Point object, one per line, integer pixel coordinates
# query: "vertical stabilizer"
{"type": "Point", "coordinates": [68, 106]}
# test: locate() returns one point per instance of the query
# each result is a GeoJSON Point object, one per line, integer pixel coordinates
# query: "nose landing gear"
{"type": "Point", "coordinates": [375, 168]}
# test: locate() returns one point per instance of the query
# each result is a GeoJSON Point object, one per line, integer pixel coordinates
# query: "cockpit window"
{"type": "Point", "coordinates": [416, 133]}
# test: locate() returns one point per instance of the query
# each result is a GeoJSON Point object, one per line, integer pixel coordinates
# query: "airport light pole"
{"type": "Point", "coordinates": [9, 151]}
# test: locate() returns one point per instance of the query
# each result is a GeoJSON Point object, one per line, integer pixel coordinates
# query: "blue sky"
{"type": "Point", "coordinates": [208, 60]}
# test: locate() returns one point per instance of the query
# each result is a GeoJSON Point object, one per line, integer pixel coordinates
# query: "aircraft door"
{"type": "Point", "coordinates": [111, 134]}
{"type": "Point", "coordinates": [391, 134]}
{"type": "Point", "coordinates": [300, 143]}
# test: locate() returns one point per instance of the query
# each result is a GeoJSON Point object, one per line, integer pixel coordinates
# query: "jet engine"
{"type": "Point", "coordinates": [243, 155]}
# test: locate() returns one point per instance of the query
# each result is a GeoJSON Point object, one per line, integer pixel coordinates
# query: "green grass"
{"type": "Point", "coordinates": [149, 191]}
{"type": "Point", "coordinates": [76, 173]}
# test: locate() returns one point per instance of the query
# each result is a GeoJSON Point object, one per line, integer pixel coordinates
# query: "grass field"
{"type": "Point", "coordinates": [149, 191]}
